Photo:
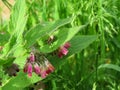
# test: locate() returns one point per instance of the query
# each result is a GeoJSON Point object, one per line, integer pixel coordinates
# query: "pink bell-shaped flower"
{"type": "Point", "coordinates": [32, 57]}
{"type": "Point", "coordinates": [63, 50]}
{"type": "Point", "coordinates": [43, 74]}
{"type": "Point", "coordinates": [37, 69]}
{"type": "Point", "coordinates": [28, 69]}
{"type": "Point", "coordinates": [67, 45]}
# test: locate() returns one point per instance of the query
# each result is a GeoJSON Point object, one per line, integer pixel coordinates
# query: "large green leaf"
{"type": "Point", "coordinates": [18, 18]}
{"type": "Point", "coordinates": [110, 66]}
{"type": "Point", "coordinates": [78, 43]}
{"type": "Point", "coordinates": [16, 27]}
{"type": "Point", "coordinates": [42, 29]}
{"type": "Point", "coordinates": [20, 81]}
{"type": "Point", "coordinates": [62, 35]}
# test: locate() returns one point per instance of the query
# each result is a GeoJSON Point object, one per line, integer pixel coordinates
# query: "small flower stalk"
{"type": "Point", "coordinates": [63, 50]}
{"type": "Point", "coordinates": [41, 68]}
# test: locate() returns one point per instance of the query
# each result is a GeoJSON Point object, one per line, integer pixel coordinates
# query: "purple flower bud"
{"type": "Point", "coordinates": [62, 51]}
{"type": "Point", "coordinates": [37, 69]}
{"type": "Point", "coordinates": [48, 71]}
{"type": "Point", "coordinates": [43, 74]}
{"type": "Point", "coordinates": [50, 67]}
{"type": "Point", "coordinates": [60, 55]}
{"type": "Point", "coordinates": [29, 69]}
{"type": "Point", "coordinates": [67, 45]}
{"type": "Point", "coordinates": [32, 57]}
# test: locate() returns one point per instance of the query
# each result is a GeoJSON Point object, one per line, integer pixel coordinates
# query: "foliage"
{"type": "Point", "coordinates": [91, 28]}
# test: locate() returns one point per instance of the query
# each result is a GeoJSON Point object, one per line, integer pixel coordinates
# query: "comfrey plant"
{"type": "Point", "coordinates": [40, 64]}
{"type": "Point", "coordinates": [24, 30]}
{"type": "Point", "coordinates": [42, 68]}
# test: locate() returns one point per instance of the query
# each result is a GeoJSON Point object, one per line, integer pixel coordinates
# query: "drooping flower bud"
{"type": "Point", "coordinates": [49, 66]}
{"type": "Point", "coordinates": [67, 45]}
{"type": "Point", "coordinates": [43, 73]}
{"type": "Point", "coordinates": [63, 50]}
{"type": "Point", "coordinates": [32, 57]}
{"type": "Point", "coordinates": [37, 69]}
{"type": "Point", "coordinates": [29, 69]}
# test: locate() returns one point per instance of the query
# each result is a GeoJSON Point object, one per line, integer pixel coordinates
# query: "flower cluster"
{"type": "Point", "coordinates": [40, 68]}
{"type": "Point", "coordinates": [63, 50]}
{"type": "Point", "coordinates": [40, 65]}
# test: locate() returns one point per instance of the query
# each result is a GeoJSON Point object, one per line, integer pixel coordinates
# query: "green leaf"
{"type": "Point", "coordinates": [21, 61]}
{"type": "Point", "coordinates": [6, 61]}
{"type": "Point", "coordinates": [3, 38]}
{"type": "Point", "coordinates": [18, 18]}
{"type": "Point", "coordinates": [110, 66]}
{"type": "Point", "coordinates": [16, 27]}
{"type": "Point", "coordinates": [63, 35]}
{"type": "Point", "coordinates": [8, 46]}
{"type": "Point", "coordinates": [40, 30]}
{"type": "Point", "coordinates": [78, 43]}
{"type": "Point", "coordinates": [20, 81]}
